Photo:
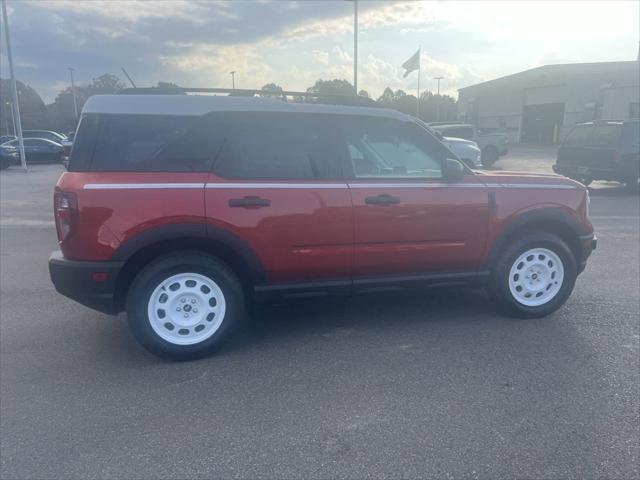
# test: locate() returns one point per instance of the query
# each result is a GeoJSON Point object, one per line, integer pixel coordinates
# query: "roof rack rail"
{"type": "Point", "coordinates": [242, 92]}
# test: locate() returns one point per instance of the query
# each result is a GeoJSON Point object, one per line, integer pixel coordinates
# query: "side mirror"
{"type": "Point", "coordinates": [453, 170]}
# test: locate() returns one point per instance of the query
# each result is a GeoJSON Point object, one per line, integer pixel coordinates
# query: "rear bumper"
{"type": "Point", "coordinates": [92, 284]}
{"type": "Point", "coordinates": [588, 243]}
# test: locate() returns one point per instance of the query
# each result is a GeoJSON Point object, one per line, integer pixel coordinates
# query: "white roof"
{"type": "Point", "coordinates": [202, 104]}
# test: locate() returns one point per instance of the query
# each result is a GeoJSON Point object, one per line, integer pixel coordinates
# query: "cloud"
{"type": "Point", "coordinates": [294, 43]}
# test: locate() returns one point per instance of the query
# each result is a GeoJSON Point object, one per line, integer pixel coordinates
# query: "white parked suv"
{"type": "Point", "coordinates": [466, 150]}
{"type": "Point", "coordinates": [492, 145]}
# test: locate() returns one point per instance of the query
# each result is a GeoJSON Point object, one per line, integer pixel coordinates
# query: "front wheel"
{"type": "Point", "coordinates": [181, 306]}
{"type": "Point", "coordinates": [534, 276]}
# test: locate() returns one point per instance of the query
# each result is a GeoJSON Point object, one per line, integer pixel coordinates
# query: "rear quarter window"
{"type": "Point", "coordinates": [154, 143]}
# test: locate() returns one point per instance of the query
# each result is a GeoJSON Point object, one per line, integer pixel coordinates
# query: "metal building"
{"type": "Point", "coordinates": [542, 104]}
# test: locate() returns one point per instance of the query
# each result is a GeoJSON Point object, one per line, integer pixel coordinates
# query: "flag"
{"type": "Point", "coordinates": [412, 64]}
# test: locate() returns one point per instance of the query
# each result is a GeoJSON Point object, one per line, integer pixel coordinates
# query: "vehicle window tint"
{"type": "Point", "coordinates": [84, 143]}
{"type": "Point", "coordinates": [155, 143]}
{"type": "Point", "coordinates": [278, 146]}
{"type": "Point", "coordinates": [384, 148]}
{"type": "Point", "coordinates": [580, 135]}
{"type": "Point", "coordinates": [606, 135]}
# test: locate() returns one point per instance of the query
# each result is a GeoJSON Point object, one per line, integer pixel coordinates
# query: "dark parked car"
{"type": "Point", "coordinates": [48, 134]}
{"type": "Point", "coordinates": [602, 150]}
{"type": "Point", "coordinates": [6, 138]}
{"type": "Point", "coordinates": [36, 150]}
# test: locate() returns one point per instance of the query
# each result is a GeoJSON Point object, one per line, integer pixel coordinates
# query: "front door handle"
{"type": "Point", "coordinates": [382, 200]}
{"type": "Point", "coordinates": [249, 202]}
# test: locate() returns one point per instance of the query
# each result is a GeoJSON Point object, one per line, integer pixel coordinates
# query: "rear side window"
{"type": "Point", "coordinates": [154, 143]}
{"type": "Point", "coordinates": [84, 143]}
{"type": "Point", "coordinates": [606, 135]}
{"type": "Point", "coordinates": [278, 146]}
{"type": "Point", "coordinates": [580, 135]}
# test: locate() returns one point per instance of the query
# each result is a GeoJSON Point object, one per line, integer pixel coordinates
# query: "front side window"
{"type": "Point", "coordinates": [275, 146]}
{"type": "Point", "coordinates": [155, 143]}
{"type": "Point", "coordinates": [385, 148]}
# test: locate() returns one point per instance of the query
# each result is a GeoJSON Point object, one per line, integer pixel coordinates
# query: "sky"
{"type": "Point", "coordinates": [294, 43]}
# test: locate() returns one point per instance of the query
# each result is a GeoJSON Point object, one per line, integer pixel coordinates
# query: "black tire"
{"type": "Point", "coordinates": [489, 156]}
{"type": "Point", "coordinates": [158, 271]}
{"type": "Point", "coordinates": [498, 286]}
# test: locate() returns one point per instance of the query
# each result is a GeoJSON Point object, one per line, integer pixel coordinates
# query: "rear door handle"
{"type": "Point", "coordinates": [249, 202]}
{"type": "Point", "coordinates": [382, 200]}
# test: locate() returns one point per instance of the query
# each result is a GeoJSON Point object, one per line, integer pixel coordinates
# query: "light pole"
{"type": "Point", "coordinates": [73, 91]}
{"type": "Point", "coordinates": [438, 99]}
{"type": "Point", "coordinates": [14, 88]}
{"type": "Point", "coordinates": [233, 79]}
{"type": "Point", "coordinates": [355, 46]}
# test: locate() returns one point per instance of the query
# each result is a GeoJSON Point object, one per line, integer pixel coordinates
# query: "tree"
{"type": "Point", "coordinates": [167, 85]}
{"type": "Point", "coordinates": [33, 111]}
{"type": "Point", "coordinates": [363, 93]}
{"type": "Point", "coordinates": [332, 87]}
{"type": "Point", "coordinates": [61, 111]}
{"type": "Point", "coordinates": [272, 90]}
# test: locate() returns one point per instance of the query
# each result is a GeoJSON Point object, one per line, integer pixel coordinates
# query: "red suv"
{"type": "Point", "coordinates": [181, 208]}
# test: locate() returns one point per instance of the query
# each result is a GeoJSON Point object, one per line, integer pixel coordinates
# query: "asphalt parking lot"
{"type": "Point", "coordinates": [393, 385]}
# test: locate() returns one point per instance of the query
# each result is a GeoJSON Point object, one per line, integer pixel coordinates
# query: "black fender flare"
{"type": "Point", "coordinates": [538, 217]}
{"type": "Point", "coordinates": [209, 235]}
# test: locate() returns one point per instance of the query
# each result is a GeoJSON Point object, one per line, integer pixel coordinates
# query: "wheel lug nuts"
{"type": "Point", "coordinates": [193, 300]}
{"type": "Point", "coordinates": [195, 310]}
{"type": "Point", "coordinates": [186, 315]}
{"type": "Point", "coordinates": [178, 309]}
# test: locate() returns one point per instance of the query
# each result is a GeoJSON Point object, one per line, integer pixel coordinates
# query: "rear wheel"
{"type": "Point", "coordinates": [181, 306]}
{"type": "Point", "coordinates": [489, 156]}
{"type": "Point", "coordinates": [534, 276]}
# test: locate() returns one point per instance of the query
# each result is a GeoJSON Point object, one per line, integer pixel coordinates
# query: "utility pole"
{"type": "Point", "coordinates": [233, 79]}
{"type": "Point", "coordinates": [438, 99]}
{"type": "Point", "coordinates": [14, 88]}
{"type": "Point", "coordinates": [73, 91]}
{"type": "Point", "coordinates": [355, 46]}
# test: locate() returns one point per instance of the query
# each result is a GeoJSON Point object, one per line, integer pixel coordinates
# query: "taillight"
{"type": "Point", "coordinates": [65, 209]}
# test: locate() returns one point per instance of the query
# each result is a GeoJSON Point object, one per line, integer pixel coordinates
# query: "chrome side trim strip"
{"type": "Point", "coordinates": [137, 186]}
{"type": "Point", "coordinates": [533, 185]}
{"type": "Point", "coordinates": [416, 185]}
{"type": "Point", "coordinates": [276, 185]}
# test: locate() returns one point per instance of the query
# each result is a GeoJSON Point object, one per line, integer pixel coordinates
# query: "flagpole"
{"type": "Point", "coordinates": [14, 90]}
{"type": "Point", "coordinates": [418, 99]}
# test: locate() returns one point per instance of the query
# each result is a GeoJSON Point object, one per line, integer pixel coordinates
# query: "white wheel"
{"type": "Point", "coordinates": [536, 277]}
{"type": "Point", "coordinates": [186, 309]}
